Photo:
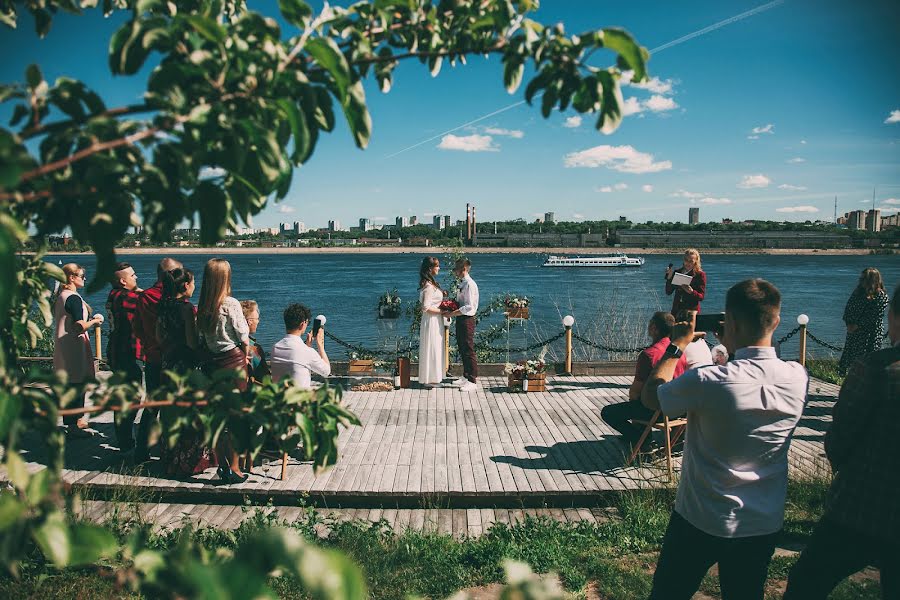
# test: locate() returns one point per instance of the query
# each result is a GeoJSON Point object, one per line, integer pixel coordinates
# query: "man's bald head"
{"type": "Point", "coordinates": [166, 265]}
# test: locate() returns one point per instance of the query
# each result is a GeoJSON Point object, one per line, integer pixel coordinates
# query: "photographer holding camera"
{"type": "Point", "coordinates": [729, 508]}
{"type": "Point", "coordinates": [293, 356]}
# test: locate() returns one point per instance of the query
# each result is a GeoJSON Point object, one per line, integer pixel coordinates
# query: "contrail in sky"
{"type": "Point", "coordinates": [658, 49]}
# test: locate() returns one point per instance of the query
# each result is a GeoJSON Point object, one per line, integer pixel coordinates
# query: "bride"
{"type": "Point", "coordinates": [431, 329]}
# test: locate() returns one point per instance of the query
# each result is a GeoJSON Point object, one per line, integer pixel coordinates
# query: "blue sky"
{"type": "Point", "coordinates": [768, 117]}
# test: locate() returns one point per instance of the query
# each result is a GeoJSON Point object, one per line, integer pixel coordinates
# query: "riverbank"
{"type": "Point", "coordinates": [449, 249]}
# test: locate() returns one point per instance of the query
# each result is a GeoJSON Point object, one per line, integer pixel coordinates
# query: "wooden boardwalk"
{"type": "Point", "coordinates": [436, 449]}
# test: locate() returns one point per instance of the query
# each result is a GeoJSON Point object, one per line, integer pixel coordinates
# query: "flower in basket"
{"type": "Point", "coordinates": [448, 305]}
{"type": "Point", "coordinates": [516, 302]}
{"type": "Point", "coordinates": [516, 370]}
{"type": "Point", "coordinates": [535, 367]}
{"type": "Point", "coordinates": [390, 299]}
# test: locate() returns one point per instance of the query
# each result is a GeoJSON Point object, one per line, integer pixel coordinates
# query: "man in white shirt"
{"type": "Point", "coordinates": [465, 325]}
{"type": "Point", "coordinates": [741, 416]}
{"type": "Point", "coordinates": [293, 356]}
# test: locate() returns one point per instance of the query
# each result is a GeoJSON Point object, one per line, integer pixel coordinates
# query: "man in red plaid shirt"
{"type": "Point", "coordinates": [123, 348]}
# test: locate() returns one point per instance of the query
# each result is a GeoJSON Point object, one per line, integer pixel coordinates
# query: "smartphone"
{"type": "Point", "coordinates": [318, 323]}
{"type": "Point", "coordinates": [710, 322]}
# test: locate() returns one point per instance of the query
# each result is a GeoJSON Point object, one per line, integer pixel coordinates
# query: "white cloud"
{"type": "Point", "coordinates": [621, 186]}
{"type": "Point", "coordinates": [797, 209]}
{"type": "Point", "coordinates": [796, 161]}
{"type": "Point", "coordinates": [606, 189]}
{"type": "Point", "coordinates": [754, 181]}
{"type": "Point", "coordinates": [654, 85]}
{"type": "Point", "coordinates": [513, 133]}
{"type": "Point", "coordinates": [793, 188]}
{"type": "Point", "coordinates": [631, 106]}
{"type": "Point", "coordinates": [624, 159]}
{"type": "Point", "coordinates": [894, 117]}
{"type": "Point", "coordinates": [211, 172]}
{"type": "Point", "coordinates": [769, 129]}
{"type": "Point", "coordinates": [891, 201]}
{"type": "Point", "coordinates": [577, 216]}
{"type": "Point", "coordinates": [573, 122]}
{"type": "Point", "coordinates": [803, 142]}
{"type": "Point", "coordinates": [752, 137]}
{"type": "Point", "coordinates": [285, 209]}
{"type": "Point", "coordinates": [647, 188]}
{"type": "Point", "coordinates": [660, 103]}
{"type": "Point", "coordinates": [686, 194]}
{"type": "Point", "coordinates": [468, 143]}
{"type": "Point", "coordinates": [710, 200]}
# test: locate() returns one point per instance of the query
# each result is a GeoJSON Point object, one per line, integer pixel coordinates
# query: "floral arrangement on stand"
{"type": "Point", "coordinates": [527, 375]}
{"type": "Point", "coordinates": [517, 307]}
{"type": "Point", "coordinates": [389, 305]}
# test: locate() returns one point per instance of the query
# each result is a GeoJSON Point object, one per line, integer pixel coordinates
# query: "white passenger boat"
{"type": "Point", "coordinates": [609, 260]}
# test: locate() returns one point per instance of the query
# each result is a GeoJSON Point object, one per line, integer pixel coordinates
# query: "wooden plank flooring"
{"type": "Point", "coordinates": [441, 446]}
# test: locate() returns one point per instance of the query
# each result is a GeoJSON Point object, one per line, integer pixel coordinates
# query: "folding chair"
{"type": "Point", "coordinates": [667, 425]}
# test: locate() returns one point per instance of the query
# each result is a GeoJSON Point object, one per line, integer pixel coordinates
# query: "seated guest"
{"type": "Point", "coordinates": [124, 349]}
{"type": "Point", "coordinates": [729, 508]}
{"type": "Point", "coordinates": [258, 366]}
{"type": "Point", "coordinates": [618, 415]}
{"type": "Point", "coordinates": [293, 355]}
{"type": "Point", "coordinates": [861, 524]}
{"type": "Point", "coordinates": [697, 354]}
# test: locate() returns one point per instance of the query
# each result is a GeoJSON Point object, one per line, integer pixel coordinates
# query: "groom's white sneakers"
{"type": "Point", "coordinates": [460, 382]}
{"type": "Point", "coordinates": [468, 387]}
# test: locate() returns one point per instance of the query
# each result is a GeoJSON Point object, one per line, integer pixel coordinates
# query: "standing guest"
{"type": "Point", "coordinates": [293, 356]}
{"type": "Point", "coordinates": [465, 325]}
{"type": "Point", "coordinates": [72, 350]}
{"type": "Point", "coordinates": [431, 326]}
{"type": "Point", "coordinates": [861, 524]}
{"type": "Point", "coordinates": [687, 297]}
{"type": "Point", "coordinates": [124, 349]}
{"type": "Point", "coordinates": [258, 367]}
{"type": "Point", "coordinates": [224, 333]}
{"type": "Point", "coordinates": [619, 415]}
{"type": "Point", "coordinates": [144, 326]}
{"type": "Point", "coordinates": [864, 316]}
{"type": "Point", "coordinates": [176, 330]}
{"type": "Point", "coordinates": [729, 508]}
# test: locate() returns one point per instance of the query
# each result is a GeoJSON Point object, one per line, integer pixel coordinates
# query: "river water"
{"type": "Point", "coordinates": [609, 305]}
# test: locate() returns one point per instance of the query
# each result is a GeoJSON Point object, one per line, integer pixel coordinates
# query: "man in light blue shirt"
{"type": "Point", "coordinates": [741, 417]}
{"type": "Point", "coordinates": [467, 298]}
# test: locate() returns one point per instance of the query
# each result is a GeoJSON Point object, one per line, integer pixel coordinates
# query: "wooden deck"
{"type": "Point", "coordinates": [437, 448]}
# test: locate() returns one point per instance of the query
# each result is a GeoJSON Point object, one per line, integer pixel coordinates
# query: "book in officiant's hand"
{"type": "Point", "coordinates": [680, 279]}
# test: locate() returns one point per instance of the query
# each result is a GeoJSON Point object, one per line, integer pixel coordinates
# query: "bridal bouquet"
{"type": "Point", "coordinates": [448, 306]}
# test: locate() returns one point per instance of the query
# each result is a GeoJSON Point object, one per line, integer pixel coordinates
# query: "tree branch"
{"type": "Point", "coordinates": [40, 129]}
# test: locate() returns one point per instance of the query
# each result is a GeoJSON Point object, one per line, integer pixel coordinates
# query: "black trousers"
{"type": "Point", "coordinates": [125, 427]}
{"type": "Point", "coordinates": [132, 369]}
{"type": "Point", "coordinates": [465, 343]}
{"type": "Point", "coordinates": [836, 552]}
{"type": "Point", "coordinates": [617, 416]}
{"type": "Point", "coordinates": [688, 553]}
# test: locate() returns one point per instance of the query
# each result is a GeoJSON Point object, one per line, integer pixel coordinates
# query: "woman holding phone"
{"type": "Point", "coordinates": [687, 295]}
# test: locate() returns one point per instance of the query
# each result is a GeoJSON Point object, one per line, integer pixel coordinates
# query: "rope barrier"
{"type": "Point", "coordinates": [824, 344]}
{"type": "Point", "coordinates": [790, 334]}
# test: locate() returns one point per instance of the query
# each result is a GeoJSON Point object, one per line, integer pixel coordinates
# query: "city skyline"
{"type": "Point", "coordinates": [747, 120]}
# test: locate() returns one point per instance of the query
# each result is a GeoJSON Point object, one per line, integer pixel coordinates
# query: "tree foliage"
{"type": "Point", "coordinates": [235, 103]}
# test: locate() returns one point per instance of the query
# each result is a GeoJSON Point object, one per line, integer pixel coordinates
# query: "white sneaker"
{"type": "Point", "coordinates": [469, 387]}
{"type": "Point", "coordinates": [460, 382]}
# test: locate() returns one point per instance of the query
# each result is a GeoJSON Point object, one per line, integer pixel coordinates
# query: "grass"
{"type": "Point", "coordinates": [825, 369]}
{"type": "Point", "coordinates": [615, 559]}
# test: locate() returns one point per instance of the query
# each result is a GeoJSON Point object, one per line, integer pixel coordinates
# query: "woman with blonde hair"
{"type": "Point", "coordinates": [864, 316]}
{"type": "Point", "coordinates": [687, 296]}
{"type": "Point", "coordinates": [224, 333]}
{"type": "Point", "coordinates": [72, 348]}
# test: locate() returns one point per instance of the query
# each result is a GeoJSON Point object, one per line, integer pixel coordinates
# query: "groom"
{"type": "Point", "coordinates": [465, 324]}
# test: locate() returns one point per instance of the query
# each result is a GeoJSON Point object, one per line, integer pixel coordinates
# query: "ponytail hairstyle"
{"type": "Point", "coordinates": [216, 287]}
{"type": "Point", "coordinates": [425, 276]}
{"type": "Point", "coordinates": [175, 282]}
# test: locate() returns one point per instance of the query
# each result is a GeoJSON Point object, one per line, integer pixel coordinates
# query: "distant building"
{"type": "Point", "coordinates": [550, 218]}
{"type": "Point", "coordinates": [727, 221]}
{"type": "Point", "coordinates": [413, 220]}
{"type": "Point", "coordinates": [873, 220]}
{"type": "Point", "coordinates": [694, 215]}
{"type": "Point", "coordinates": [402, 222]}
{"type": "Point", "coordinates": [365, 225]}
{"type": "Point", "coordinates": [637, 238]}
{"type": "Point", "coordinates": [890, 221]}
{"type": "Point", "coordinates": [335, 226]}
{"type": "Point", "coordinates": [292, 229]}
{"type": "Point", "coordinates": [623, 220]}
{"type": "Point", "coordinates": [441, 221]}
{"type": "Point", "coordinates": [856, 220]}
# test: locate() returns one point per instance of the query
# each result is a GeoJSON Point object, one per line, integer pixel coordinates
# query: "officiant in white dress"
{"type": "Point", "coordinates": [431, 329]}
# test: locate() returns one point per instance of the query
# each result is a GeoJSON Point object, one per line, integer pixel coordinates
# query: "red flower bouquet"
{"type": "Point", "coordinates": [448, 306]}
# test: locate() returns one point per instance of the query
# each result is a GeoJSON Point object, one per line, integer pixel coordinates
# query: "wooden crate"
{"type": "Point", "coordinates": [517, 313]}
{"type": "Point", "coordinates": [361, 366]}
{"type": "Point", "coordinates": [514, 384]}
{"type": "Point", "coordinates": [537, 383]}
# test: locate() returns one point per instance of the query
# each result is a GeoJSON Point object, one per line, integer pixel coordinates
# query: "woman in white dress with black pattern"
{"type": "Point", "coordinates": [431, 329]}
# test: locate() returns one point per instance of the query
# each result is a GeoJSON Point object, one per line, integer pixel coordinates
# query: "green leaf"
{"type": "Point", "coordinates": [299, 130]}
{"type": "Point", "coordinates": [208, 28]}
{"type": "Point", "coordinates": [357, 114]}
{"type": "Point", "coordinates": [16, 469]}
{"type": "Point", "coordinates": [512, 75]}
{"type": "Point", "coordinates": [611, 107]}
{"type": "Point", "coordinates": [54, 271]}
{"type": "Point", "coordinates": [326, 52]}
{"type": "Point", "coordinates": [33, 76]}
{"type": "Point", "coordinates": [52, 537]}
{"type": "Point", "coordinates": [10, 406]}
{"type": "Point", "coordinates": [38, 487]}
{"type": "Point", "coordinates": [11, 510]}
{"type": "Point", "coordinates": [11, 234]}
{"type": "Point", "coordinates": [214, 207]}
{"type": "Point", "coordinates": [89, 543]}
{"type": "Point", "coordinates": [621, 42]}
{"type": "Point", "coordinates": [296, 12]}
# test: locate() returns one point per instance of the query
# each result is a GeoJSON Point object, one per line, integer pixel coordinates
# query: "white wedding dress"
{"type": "Point", "coordinates": [431, 338]}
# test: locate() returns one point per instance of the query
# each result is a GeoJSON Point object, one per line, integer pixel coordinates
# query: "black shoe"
{"type": "Point", "coordinates": [229, 477]}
